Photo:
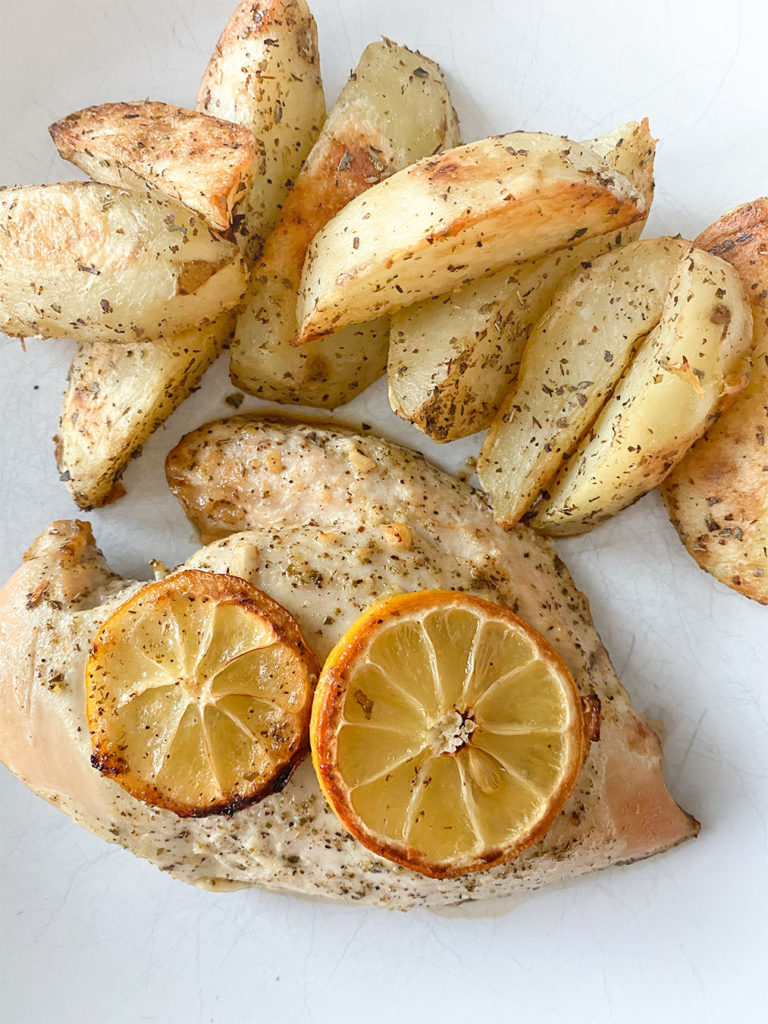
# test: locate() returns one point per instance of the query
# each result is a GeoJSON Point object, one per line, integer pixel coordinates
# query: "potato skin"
{"type": "Point", "coordinates": [717, 496]}
{"type": "Point", "coordinates": [740, 237]}
{"type": "Point", "coordinates": [452, 359]}
{"type": "Point", "coordinates": [85, 261]}
{"type": "Point", "coordinates": [117, 396]}
{"type": "Point", "coordinates": [394, 109]}
{"type": "Point", "coordinates": [265, 75]}
{"type": "Point", "coordinates": [203, 162]}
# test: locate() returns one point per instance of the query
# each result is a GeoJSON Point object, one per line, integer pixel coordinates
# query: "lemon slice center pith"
{"type": "Point", "coordinates": [450, 733]}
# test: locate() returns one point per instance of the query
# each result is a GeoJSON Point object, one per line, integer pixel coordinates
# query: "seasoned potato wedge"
{"type": "Point", "coordinates": [203, 162]}
{"type": "Point", "coordinates": [574, 357]}
{"type": "Point", "coordinates": [394, 109]}
{"type": "Point", "coordinates": [453, 358]}
{"type": "Point", "coordinates": [117, 395]}
{"type": "Point", "coordinates": [717, 496]}
{"type": "Point", "coordinates": [686, 370]}
{"type": "Point", "coordinates": [449, 219]}
{"type": "Point", "coordinates": [265, 75]}
{"type": "Point", "coordinates": [86, 261]}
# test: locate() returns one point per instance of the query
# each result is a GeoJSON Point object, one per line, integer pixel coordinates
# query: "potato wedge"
{"type": "Point", "coordinates": [575, 356]}
{"type": "Point", "coordinates": [117, 396]}
{"type": "Point", "coordinates": [394, 109]}
{"type": "Point", "coordinates": [453, 358]}
{"type": "Point", "coordinates": [89, 262]}
{"type": "Point", "coordinates": [685, 372]}
{"type": "Point", "coordinates": [449, 219]}
{"type": "Point", "coordinates": [717, 495]}
{"type": "Point", "coordinates": [203, 162]}
{"type": "Point", "coordinates": [265, 75]}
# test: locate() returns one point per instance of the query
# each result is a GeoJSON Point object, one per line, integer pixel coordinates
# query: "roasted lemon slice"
{"type": "Point", "coordinates": [446, 733]}
{"type": "Point", "coordinates": [198, 694]}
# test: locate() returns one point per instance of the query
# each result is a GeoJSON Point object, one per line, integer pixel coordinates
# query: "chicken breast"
{"type": "Point", "coordinates": [318, 513]}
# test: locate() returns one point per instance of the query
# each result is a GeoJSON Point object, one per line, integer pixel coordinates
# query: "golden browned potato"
{"type": "Point", "coordinates": [575, 355]}
{"type": "Point", "coordinates": [686, 370]}
{"type": "Point", "coordinates": [117, 395]}
{"type": "Point", "coordinates": [203, 162]}
{"type": "Point", "coordinates": [90, 262]}
{"type": "Point", "coordinates": [717, 496]}
{"type": "Point", "coordinates": [451, 218]}
{"type": "Point", "coordinates": [453, 358]}
{"type": "Point", "coordinates": [394, 109]}
{"type": "Point", "coordinates": [740, 237]}
{"type": "Point", "coordinates": [265, 75]}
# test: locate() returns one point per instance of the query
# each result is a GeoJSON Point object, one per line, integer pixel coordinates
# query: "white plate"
{"type": "Point", "coordinates": [90, 933]}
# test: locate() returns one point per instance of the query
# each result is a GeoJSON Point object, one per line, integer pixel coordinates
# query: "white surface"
{"type": "Point", "coordinates": [89, 933]}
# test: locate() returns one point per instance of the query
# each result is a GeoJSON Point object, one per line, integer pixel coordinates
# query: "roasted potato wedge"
{"type": "Point", "coordinates": [451, 218]}
{"type": "Point", "coordinates": [574, 357]}
{"type": "Point", "coordinates": [717, 495]}
{"type": "Point", "coordinates": [453, 358]}
{"type": "Point", "coordinates": [394, 109]}
{"type": "Point", "coordinates": [117, 395]}
{"type": "Point", "coordinates": [90, 262]}
{"type": "Point", "coordinates": [203, 162]}
{"type": "Point", "coordinates": [265, 75]}
{"type": "Point", "coordinates": [685, 372]}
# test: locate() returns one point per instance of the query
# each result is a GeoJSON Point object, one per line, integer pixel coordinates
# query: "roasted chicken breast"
{"type": "Point", "coordinates": [327, 522]}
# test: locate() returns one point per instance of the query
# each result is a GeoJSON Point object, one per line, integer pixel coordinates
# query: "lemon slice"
{"type": "Point", "coordinates": [446, 733]}
{"type": "Point", "coordinates": [198, 694]}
